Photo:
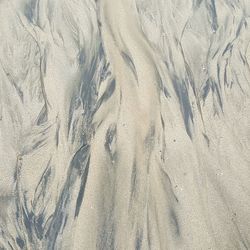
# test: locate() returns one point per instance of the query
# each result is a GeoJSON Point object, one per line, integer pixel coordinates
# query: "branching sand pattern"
{"type": "Point", "coordinates": [125, 124]}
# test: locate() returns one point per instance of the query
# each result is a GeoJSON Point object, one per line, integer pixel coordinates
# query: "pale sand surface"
{"type": "Point", "coordinates": [125, 124]}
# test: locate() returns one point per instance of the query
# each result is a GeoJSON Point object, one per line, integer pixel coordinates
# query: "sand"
{"type": "Point", "coordinates": [124, 124]}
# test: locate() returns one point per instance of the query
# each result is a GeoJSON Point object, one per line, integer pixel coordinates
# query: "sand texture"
{"type": "Point", "coordinates": [124, 124]}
